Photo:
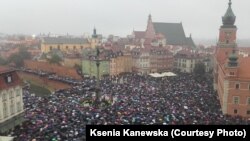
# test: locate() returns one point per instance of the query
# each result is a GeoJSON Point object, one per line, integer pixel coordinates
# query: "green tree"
{"type": "Point", "coordinates": [55, 59]}
{"type": "Point", "coordinates": [19, 57]}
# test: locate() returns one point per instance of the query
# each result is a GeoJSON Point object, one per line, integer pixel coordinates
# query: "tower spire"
{"type": "Point", "coordinates": [230, 3]}
{"type": "Point", "coordinates": [94, 33]}
{"type": "Point", "coordinates": [229, 18]}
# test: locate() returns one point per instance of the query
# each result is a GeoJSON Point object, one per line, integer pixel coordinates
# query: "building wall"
{"type": "Point", "coordinates": [243, 93]}
{"type": "Point", "coordinates": [54, 68]}
{"type": "Point", "coordinates": [186, 64]}
{"type": "Point", "coordinates": [120, 64]}
{"type": "Point", "coordinates": [11, 101]}
{"type": "Point", "coordinates": [89, 68]}
{"type": "Point", "coordinates": [227, 91]}
{"type": "Point", "coordinates": [71, 62]}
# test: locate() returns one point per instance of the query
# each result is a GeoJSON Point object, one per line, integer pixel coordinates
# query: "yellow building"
{"type": "Point", "coordinates": [69, 44]}
{"type": "Point", "coordinates": [64, 44]}
{"type": "Point", "coordinates": [120, 63]}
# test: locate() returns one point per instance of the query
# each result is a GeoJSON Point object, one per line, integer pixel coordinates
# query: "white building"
{"type": "Point", "coordinates": [11, 99]}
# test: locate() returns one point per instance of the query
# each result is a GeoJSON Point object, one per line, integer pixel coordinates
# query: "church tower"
{"type": "Point", "coordinates": [150, 31]}
{"type": "Point", "coordinates": [94, 39]}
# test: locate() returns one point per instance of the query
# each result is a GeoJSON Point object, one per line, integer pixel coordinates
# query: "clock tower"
{"type": "Point", "coordinates": [227, 36]}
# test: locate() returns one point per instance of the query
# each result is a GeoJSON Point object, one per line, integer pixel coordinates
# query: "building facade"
{"type": "Point", "coordinates": [120, 62]}
{"type": "Point", "coordinates": [231, 71]}
{"type": "Point", "coordinates": [141, 60]}
{"type": "Point", "coordinates": [89, 67]}
{"type": "Point", "coordinates": [162, 34]}
{"type": "Point", "coordinates": [64, 44]}
{"type": "Point", "coordinates": [151, 59]}
{"type": "Point", "coordinates": [69, 44]}
{"type": "Point", "coordinates": [185, 60]}
{"type": "Point", "coordinates": [11, 100]}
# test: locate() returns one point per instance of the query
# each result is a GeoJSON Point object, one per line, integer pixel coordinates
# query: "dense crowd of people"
{"type": "Point", "coordinates": [138, 100]}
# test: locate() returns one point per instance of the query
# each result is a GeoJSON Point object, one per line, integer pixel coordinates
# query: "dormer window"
{"type": "Point", "coordinates": [8, 79]}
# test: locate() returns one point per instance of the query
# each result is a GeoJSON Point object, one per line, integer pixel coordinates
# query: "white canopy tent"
{"type": "Point", "coordinates": [165, 74]}
{"type": "Point", "coordinates": [5, 138]}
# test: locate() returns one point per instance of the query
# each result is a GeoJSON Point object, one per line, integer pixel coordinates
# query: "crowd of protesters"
{"type": "Point", "coordinates": [135, 99]}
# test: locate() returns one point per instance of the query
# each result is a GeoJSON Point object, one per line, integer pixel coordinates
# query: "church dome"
{"type": "Point", "coordinates": [229, 18]}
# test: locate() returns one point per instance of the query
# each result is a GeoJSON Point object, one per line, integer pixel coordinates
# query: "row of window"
{"type": "Point", "coordinates": [11, 95]}
{"type": "Point", "coordinates": [12, 108]}
{"type": "Point", "coordinates": [59, 47]}
{"type": "Point", "coordinates": [236, 100]}
{"type": "Point", "coordinates": [236, 111]}
{"type": "Point", "coordinates": [237, 86]}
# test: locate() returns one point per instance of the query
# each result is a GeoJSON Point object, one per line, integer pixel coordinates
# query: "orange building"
{"type": "Point", "coordinates": [231, 71]}
{"type": "Point", "coordinates": [120, 62]}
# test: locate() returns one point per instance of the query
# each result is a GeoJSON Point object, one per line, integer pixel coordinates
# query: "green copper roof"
{"type": "Point", "coordinates": [233, 57]}
{"type": "Point", "coordinates": [229, 17]}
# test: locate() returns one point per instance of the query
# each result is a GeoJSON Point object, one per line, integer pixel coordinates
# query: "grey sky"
{"type": "Point", "coordinates": [202, 18]}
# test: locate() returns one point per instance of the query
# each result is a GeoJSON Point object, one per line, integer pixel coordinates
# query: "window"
{"type": "Point", "coordinates": [5, 110]}
{"type": "Point", "coordinates": [18, 92]}
{"type": "Point", "coordinates": [235, 111]}
{"type": "Point", "coordinates": [18, 105]}
{"type": "Point", "coordinates": [8, 79]}
{"type": "Point", "coordinates": [58, 47]}
{"type": "Point", "coordinates": [231, 73]}
{"type": "Point", "coordinates": [81, 47]}
{"type": "Point", "coordinates": [74, 47]}
{"type": "Point", "coordinates": [227, 41]}
{"type": "Point", "coordinates": [248, 101]}
{"type": "Point", "coordinates": [50, 48]}
{"type": "Point", "coordinates": [236, 100]}
{"type": "Point", "coordinates": [248, 112]}
{"type": "Point", "coordinates": [4, 96]}
{"type": "Point", "coordinates": [237, 86]}
{"type": "Point", "coordinates": [12, 108]}
{"type": "Point", "coordinates": [11, 94]}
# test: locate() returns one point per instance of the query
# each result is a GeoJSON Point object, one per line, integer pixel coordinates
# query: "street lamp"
{"type": "Point", "coordinates": [97, 100]}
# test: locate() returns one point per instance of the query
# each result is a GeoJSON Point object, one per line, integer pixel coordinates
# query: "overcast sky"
{"type": "Point", "coordinates": [202, 18]}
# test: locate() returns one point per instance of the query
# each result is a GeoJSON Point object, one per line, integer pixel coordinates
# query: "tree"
{"type": "Point", "coordinates": [55, 59]}
{"type": "Point", "coordinates": [19, 57]}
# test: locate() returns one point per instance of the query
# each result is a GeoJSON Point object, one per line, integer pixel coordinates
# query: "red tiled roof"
{"type": "Point", "coordinates": [222, 54]}
{"type": "Point", "coordinates": [245, 49]}
{"type": "Point", "coordinates": [15, 79]}
{"type": "Point", "coordinates": [244, 67]}
{"type": "Point", "coordinates": [4, 69]}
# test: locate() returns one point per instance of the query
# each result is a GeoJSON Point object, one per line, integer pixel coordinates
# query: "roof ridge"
{"type": "Point", "coordinates": [165, 23]}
